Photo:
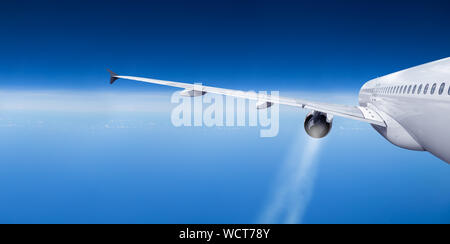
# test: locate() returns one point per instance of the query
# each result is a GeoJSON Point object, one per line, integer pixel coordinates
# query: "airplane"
{"type": "Point", "coordinates": [410, 108]}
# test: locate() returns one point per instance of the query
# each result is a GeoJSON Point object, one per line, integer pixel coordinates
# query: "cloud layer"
{"type": "Point", "coordinates": [84, 101]}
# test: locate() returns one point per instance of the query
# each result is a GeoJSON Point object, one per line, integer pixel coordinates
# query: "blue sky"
{"type": "Point", "coordinates": [78, 150]}
{"type": "Point", "coordinates": [239, 44]}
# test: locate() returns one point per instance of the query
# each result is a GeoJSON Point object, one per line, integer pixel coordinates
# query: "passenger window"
{"type": "Point", "coordinates": [441, 88]}
{"type": "Point", "coordinates": [420, 89]}
{"type": "Point", "coordinates": [409, 88]}
{"type": "Point", "coordinates": [425, 90]}
{"type": "Point", "coordinates": [404, 89]}
{"type": "Point", "coordinates": [433, 88]}
{"type": "Point", "coordinates": [414, 89]}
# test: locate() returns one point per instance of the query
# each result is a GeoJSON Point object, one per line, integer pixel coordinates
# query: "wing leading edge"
{"type": "Point", "coordinates": [352, 112]}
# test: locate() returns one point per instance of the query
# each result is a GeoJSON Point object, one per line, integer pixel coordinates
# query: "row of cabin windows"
{"type": "Point", "coordinates": [411, 89]}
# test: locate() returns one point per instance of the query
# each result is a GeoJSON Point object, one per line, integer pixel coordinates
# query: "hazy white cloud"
{"type": "Point", "coordinates": [103, 101]}
{"type": "Point", "coordinates": [110, 102]}
{"type": "Point", "coordinates": [84, 101]}
{"type": "Point", "coordinates": [354, 128]}
{"type": "Point", "coordinates": [128, 124]}
{"type": "Point", "coordinates": [7, 124]}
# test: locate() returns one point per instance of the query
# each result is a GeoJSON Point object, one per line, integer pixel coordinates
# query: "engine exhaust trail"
{"type": "Point", "coordinates": [295, 183]}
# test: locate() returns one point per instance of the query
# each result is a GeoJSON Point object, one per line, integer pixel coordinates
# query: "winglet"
{"type": "Point", "coordinates": [113, 76]}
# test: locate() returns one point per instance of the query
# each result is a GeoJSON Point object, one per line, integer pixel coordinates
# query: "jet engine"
{"type": "Point", "coordinates": [318, 124]}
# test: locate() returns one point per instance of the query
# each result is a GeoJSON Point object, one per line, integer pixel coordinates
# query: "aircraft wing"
{"type": "Point", "coordinates": [352, 112]}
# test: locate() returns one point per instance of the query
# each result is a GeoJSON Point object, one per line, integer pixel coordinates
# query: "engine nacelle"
{"type": "Point", "coordinates": [318, 124]}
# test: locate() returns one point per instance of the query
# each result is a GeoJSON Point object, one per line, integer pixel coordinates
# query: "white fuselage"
{"type": "Point", "coordinates": [415, 104]}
